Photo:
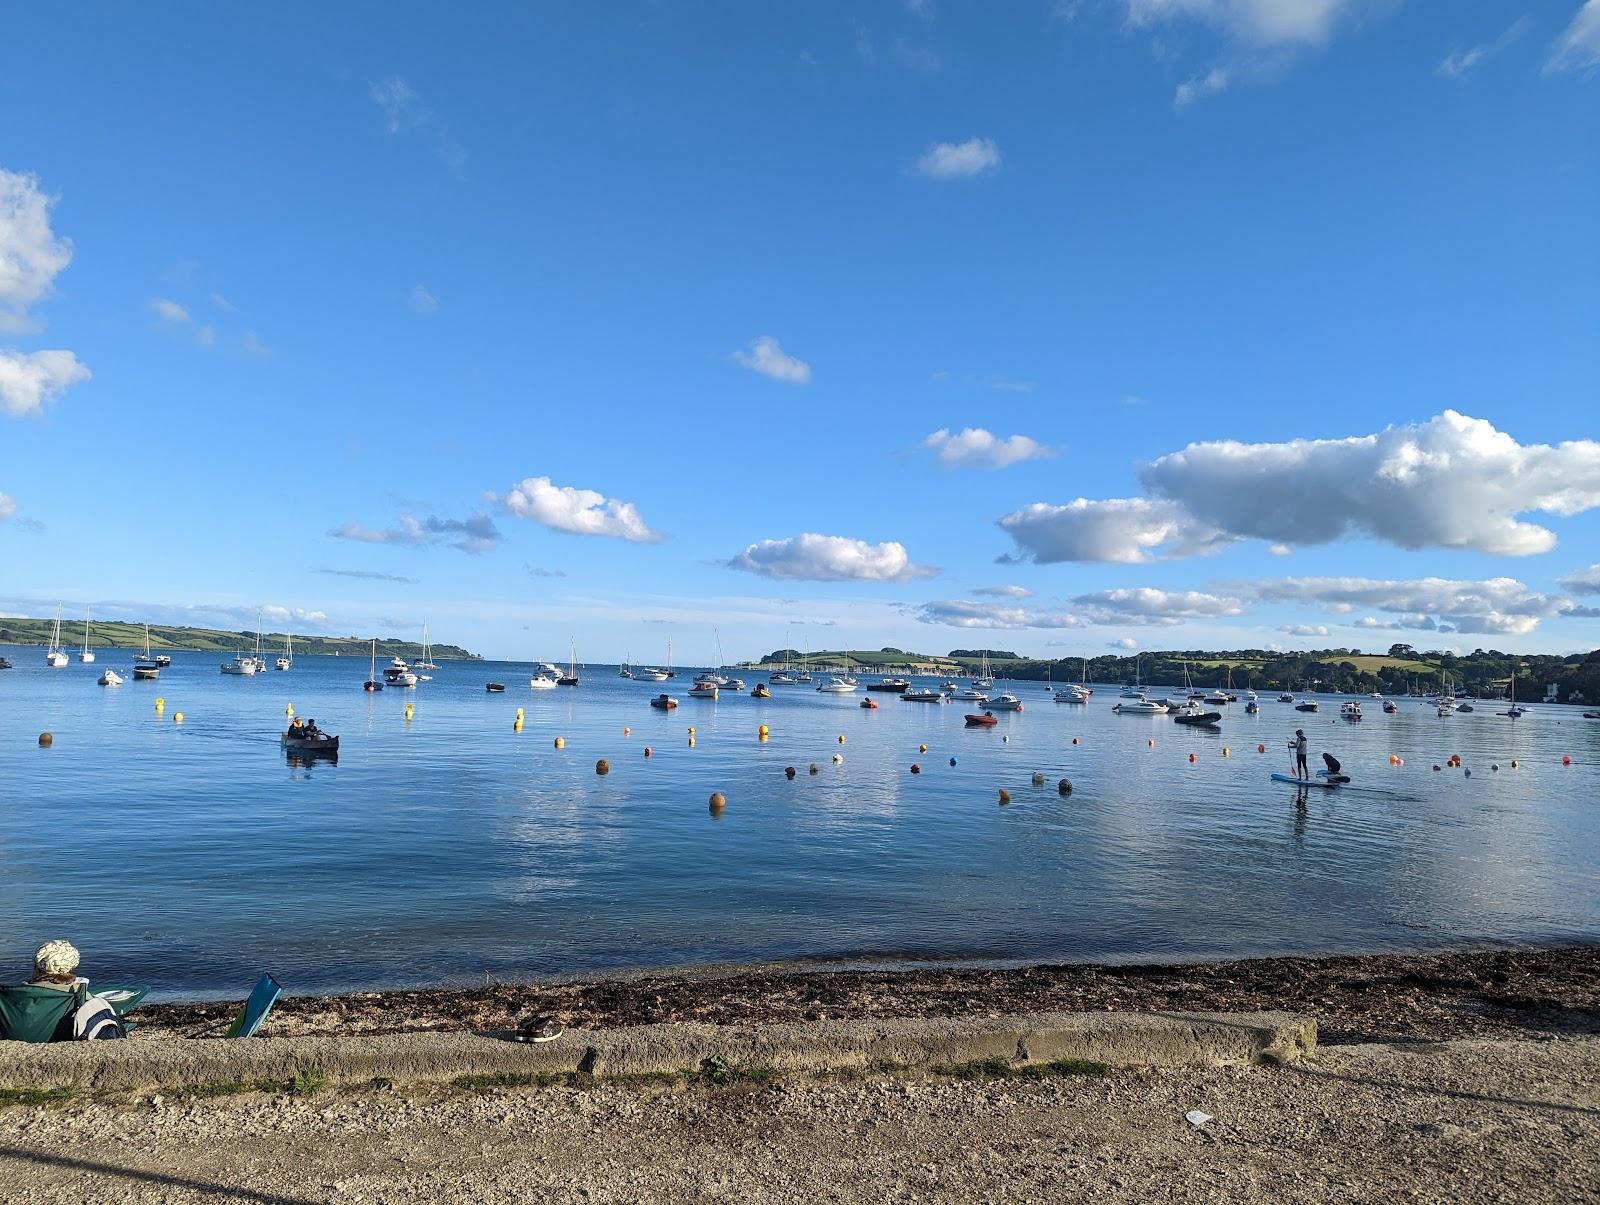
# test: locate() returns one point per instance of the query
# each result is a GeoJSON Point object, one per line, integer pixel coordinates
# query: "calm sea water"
{"type": "Point", "coordinates": [451, 848]}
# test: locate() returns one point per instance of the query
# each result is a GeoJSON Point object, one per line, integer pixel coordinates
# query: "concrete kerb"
{"type": "Point", "coordinates": [1116, 1039]}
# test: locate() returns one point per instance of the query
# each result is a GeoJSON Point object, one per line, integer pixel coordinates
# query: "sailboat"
{"type": "Point", "coordinates": [1514, 712]}
{"type": "Point", "coordinates": [146, 668]}
{"type": "Point", "coordinates": [285, 661]}
{"type": "Point", "coordinates": [627, 670]}
{"type": "Point", "coordinates": [983, 681]}
{"type": "Point", "coordinates": [570, 678]}
{"type": "Point", "coordinates": [87, 655]}
{"type": "Point", "coordinates": [426, 660]}
{"type": "Point", "coordinates": [372, 682]}
{"type": "Point", "coordinates": [54, 656]}
{"type": "Point", "coordinates": [1136, 691]}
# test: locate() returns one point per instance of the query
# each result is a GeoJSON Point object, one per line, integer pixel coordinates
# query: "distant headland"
{"type": "Point", "coordinates": [111, 634]}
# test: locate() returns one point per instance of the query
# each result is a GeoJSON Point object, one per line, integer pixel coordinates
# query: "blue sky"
{"type": "Point", "coordinates": [615, 321]}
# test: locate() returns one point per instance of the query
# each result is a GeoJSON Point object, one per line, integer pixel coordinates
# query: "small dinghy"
{"type": "Point", "coordinates": [870, 704]}
{"type": "Point", "coordinates": [663, 702]}
{"type": "Point", "coordinates": [1199, 718]}
{"type": "Point", "coordinates": [986, 720]}
{"type": "Point", "coordinates": [495, 688]}
{"type": "Point", "coordinates": [311, 741]}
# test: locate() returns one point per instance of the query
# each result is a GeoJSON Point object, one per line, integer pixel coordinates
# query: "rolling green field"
{"type": "Point", "coordinates": [113, 635]}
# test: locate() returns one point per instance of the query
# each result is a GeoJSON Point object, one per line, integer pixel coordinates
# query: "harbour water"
{"type": "Point", "coordinates": [449, 848]}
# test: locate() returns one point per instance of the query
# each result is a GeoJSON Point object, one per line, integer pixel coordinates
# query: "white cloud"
{"type": "Point", "coordinates": [978, 448]}
{"type": "Point", "coordinates": [168, 310]}
{"type": "Point", "coordinates": [1191, 90]}
{"type": "Point", "coordinates": [1125, 530]}
{"type": "Point", "coordinates": [580, 512]}
{"type": "Point", "coordinates": [29, 380]}
{"type": "Point", "coordinates": [770, 360]}
{"type": "Point", "coordinates": [475, 534]}
{"type": "Point", "coordinates": [959, 613]}
{"type": "Point", "coordinates": [395, 97]}
{"type": "Point", "coordinates": [1501, 605]}
{"type": "Point", "coordinates": [1451, 482]}
{"type": "Point", "coordinates": [251, 345]}
{"type": "Point", "coordinates": [205, 336]}
{"type": "Point", "coordinates": [1280, 549]}
{"type": "Point", "coordinates": [953, 160]}
{"type": "Point", "coordinates": [223, 304]}
{"type": "Point", "coordinates": [1144, 605]}
{"type": "Point", "coordinates": [1004, 591]}
{"type": "Point", "coordinates": [917, 58]}
{"type": "Point", "coordinates": [7, 507]}
{"type": "Point", "coordinates": [422, 301]}
{"type": "Point", "coordinates": [1578, 47]}
{"type": "Point", "coordinates": [273, 613]}
{"type": "Point", "coordinates": [1305, 629]}
{"type": "Point", "coordinates": [1127, 642]}
{"type": "Point", "coordinates": [818, 558]}
{"type": "Point", "coordinates": [1584, 581]}
{"type": "Point", "coordinates": [1458, 62]}
{"type": "Point", "coordinates": [30, 253]}
{"type": "Point", "coordinates": [1256, 22]}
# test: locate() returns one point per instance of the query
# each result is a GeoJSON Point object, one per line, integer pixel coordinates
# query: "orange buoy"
{"type": "Point", "coordinates": [1224, 751]}
{"type": "Point", "coordinates": [561, 742]}
{"type": "Point", "coordinates": [922, 748]}
{"type": "Point", "coordinates": [762, 732]}
{"type": "Point", "coordinates": [627, 732]}
{"type": "Point", "coordinates": [718, 801]}
{"type": "Point", "coordinates": [1005, 797]}
{"type": "Point", "coordinates": [916, 769]}
{"type": "Point", "coordinates": [602, 766]}
{"type": "Point", "coordinates": [691, 729]}
{"type": "Point", "coordinates": [46, 740]}
{"type": "Point", "coordinates": [841, 738]}
{"type": "Point", "coordinates": [788, 771]}
{"type": "Point", "coordinates": [691, 742]}
{"type": "Point", "coordinates": [1191, 757]}
{"type": "Point", "coordinates": [1261, 748]}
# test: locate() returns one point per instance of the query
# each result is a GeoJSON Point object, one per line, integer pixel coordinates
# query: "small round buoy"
{"type": "Point", "coordinates": [1224, 751]}
{"type": "Point", "coordinates": [916, 769]}
{"type": "Point", "coordinates": [1005, 797]}
{"type": "Point", "coordinates": [1192, 757]}
{"type": "Point", "coordinates": [602, 766]}
{"type": "Point", "coordinates": [838, 758]}
{"type": "Point", "coordinates": [718, 801]}
{"type": "Point", "coordinates": [627, 732]}
{"type": "Point", "coordinates": [177, 717]}
{"type": "Point", "coordinates": [288, 708]}
{"type": "Point", "coordinates": [1565, 760]}
{"type": "Point", "coordinates": [1152, 744]}
{"type": "Point", "coordinates": [1435, 765]}
{"type": "Point", "coordinates": [691, 729]}
{"type": "Point", "coordinates": [1468, 771]}
{"type": "Point", "coordinates": [922, 748]}
{"type": "Point", "coordinates": [516, 725]}
{"type": "Point", "coordinates": [408, 711]}
{"type": "Point", "coordinates": [952, 761]}
{"type": "Point", "coordinates": [1038, 779]}
{"type": "Point", "coordinates": [1064, 787]}
{"type": "Point", "coordinates": [160, 703]}
{"type": "Point", "coordinates": [788, 771]}
{"type": "Point", "coordinates": [560, 742]}
{"type": "Point", "coordinates": [762, 732]}
{"type": "Point", "coordinates": [1261, 748]}
{"type": "Point", "coordinates": [1495, 766]}
{"type": "Point", "coordinates": [813, 769]}
{"type": "Point", "coordinates": [691, 742]}
{"type": "Point", "coordinates": [519, 713]}
{"type": "Point", "coordinates": [46, 740]}
{"type": "Point", "coordinates": [841, 738]}
{"type": "Point", "coordinates": [1514, 763]}
{"type": "Point", "coordinates": [647, 750]}
{"type": "Point", "coordinates": [1074, 740]}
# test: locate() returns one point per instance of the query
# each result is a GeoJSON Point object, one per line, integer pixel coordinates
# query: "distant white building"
{"type": "Point", "coordinates": [1551, 691]}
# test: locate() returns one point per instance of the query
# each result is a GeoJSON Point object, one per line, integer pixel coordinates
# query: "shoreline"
{"type": "Point", "coordinates": [1484, 993]}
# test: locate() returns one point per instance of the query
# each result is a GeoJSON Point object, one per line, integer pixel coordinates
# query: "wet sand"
{"type": "Point", "coordinates": [1357, 998]}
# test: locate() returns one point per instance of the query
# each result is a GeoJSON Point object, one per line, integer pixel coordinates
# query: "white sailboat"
{"type": "Point", "coordinates": [285, 661]}
{"type": "Point", "coordinates": [426, 660]}
{"type": "Point", "coordinates": [88, 654]}
{"type": "Point", "coordinates": [54, 656]}
{"type": "Point", "coordinates": [984, 680]}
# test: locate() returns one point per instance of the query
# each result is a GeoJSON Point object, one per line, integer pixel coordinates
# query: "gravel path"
{"type": "Point", "coordinates": [1460, 1121]}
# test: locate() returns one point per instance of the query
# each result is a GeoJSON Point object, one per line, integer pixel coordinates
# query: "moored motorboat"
{"type": "Point", "coordinates": [241, 666]}
{"type": "Point", "coordinates": [649, 675]}
{"type": "Point", "coordinates": [546, 677]}
{"type": "Point", "coordinates": [733, 684]}
{"type": "Point", "coordinates": [1072, 694]}
{"type": "Point", "coordinates": [893, 685]}
{"type": "Point", "coordinates": [703, 690]}
{"type": "Point", "coordinates": [1139, 706]}
{"type": "Point", "coordinates": [495, 688]}
{"type": "Point", "coordinates": [1004, 702]}
{"type": "Point", "coordinates": [760, 691]}
{"type": "Point", "coordinates": [1350, 711]}
{"type": "Point", "coordinates": [4, 664]}
{"type": "Point", "coordinates": [1308, 705]}
{"type": "Point", "coordinates": [836, 686]}
{"type": "Point", "coordinates": [972, 695]}
{"type": "Point", "coordinates": [664, 702]}
{"type": "Point", "coordinates": [923, 694]}
{"type": "Point", "coordinates": [1202, 719]}
{"type": "Point", "coordinates": [986, 720]}
{"type": "Point", "coordinates": [1390, 707]}
{"type": "Point", "coordinates": [1286, 697]}
{"type": "Point", "coordinates": [1252, 707]}
{"type": "Point", "coordinates": [110, 678]}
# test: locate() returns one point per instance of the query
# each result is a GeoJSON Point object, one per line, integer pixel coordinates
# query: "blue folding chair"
{"type": "Point", "coordinates": [262, 997]}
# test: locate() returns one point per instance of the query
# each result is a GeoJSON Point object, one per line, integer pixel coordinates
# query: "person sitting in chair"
{"type": "Point", "coordinates": [55, 1005]}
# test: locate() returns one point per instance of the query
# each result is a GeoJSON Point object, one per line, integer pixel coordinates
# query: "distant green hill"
{"type": "Point", "coordinates": [110, 634]}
